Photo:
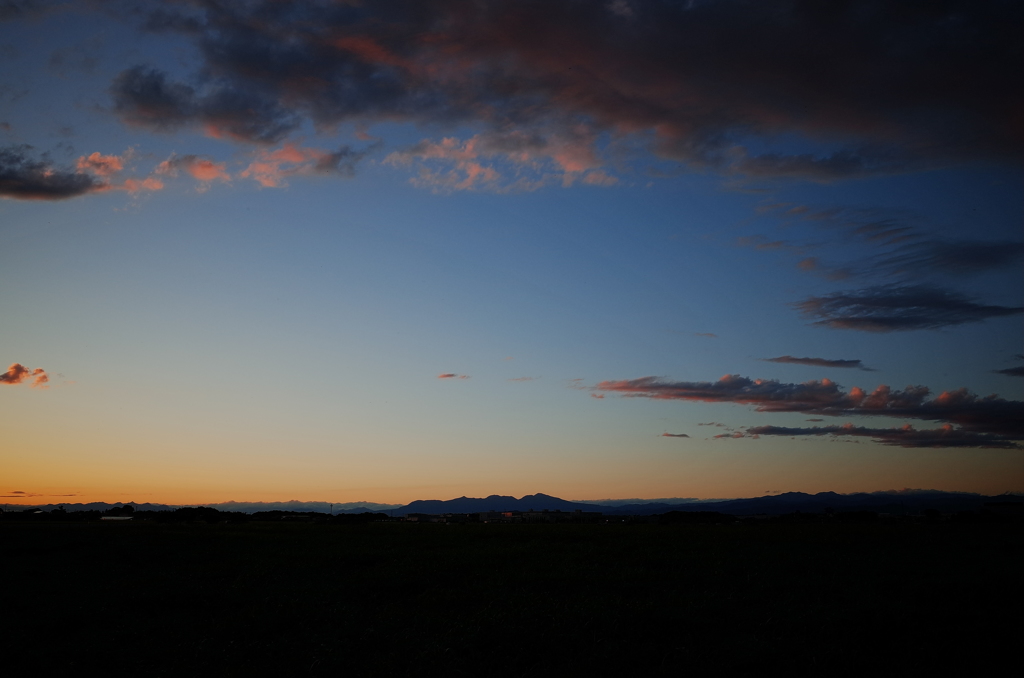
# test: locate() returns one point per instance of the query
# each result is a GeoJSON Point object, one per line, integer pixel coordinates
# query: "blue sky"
{"type": "Point", "coordinates": [242, 246]}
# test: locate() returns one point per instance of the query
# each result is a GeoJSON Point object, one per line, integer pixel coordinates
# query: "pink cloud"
{"type": "Point", "coordinates": [271, 169]}
{"type": "Point", "coordinates": [532, 161]}
{"type": "Point", "coordinates": [107, 166]}
{"type": "Point", "coordinates": [137, 185]}
{"type": "Point", "coordinates": [198, 167]}
{"type": "Point", "coordinates": [452, 375]}
{"type": "Point", "coordinates": [599, 178]}
{"type": "Point", "coordinates": [18, 373]}
{"type": "Point", "coordinates": [207, 170]}
{"type": "Point", "coordinates": [466, 172]}
{"type": "Point", "coordinates": [100, 165]}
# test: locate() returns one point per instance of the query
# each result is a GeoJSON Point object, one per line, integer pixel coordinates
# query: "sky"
{"type": "Point", "coordinates": [420, 249]}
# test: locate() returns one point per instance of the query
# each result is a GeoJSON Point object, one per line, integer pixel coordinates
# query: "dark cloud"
{"type": "Point", "coordinates": [144, 97]}
{"type": "Point", "coordinates": [960, 407]}
{"type": "Point", "coordinates": [342, 161]}
{"type": "Point", "coordinates": [1012, 371]}
{"type": "Point", "coordinates": [22, 9]}
{"type": "Point", "coordinates": [819, 362]}
{"type": "Point", "coordinates": [161, 21]}
{"type": "Point", "coordinates": [891, 308]}
{"type": "Point", "coordinates": [674, 435]}
{"type": "Point", "coordinates": [843, 164]}
{"type": "Point", "coordinates": [452, 375]}
{"type": "Point", "coordinates": [892, 86]}
{"type": "Point", "coordinates": [24, 178]}
{"type": "Point", "coordinates": [906, 436]}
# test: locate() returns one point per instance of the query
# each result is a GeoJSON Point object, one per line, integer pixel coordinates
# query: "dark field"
{"type": "Point", "coordinates": [146, 599]}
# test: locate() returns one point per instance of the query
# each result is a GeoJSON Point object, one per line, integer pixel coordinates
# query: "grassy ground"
{"type": "Point", "coordinates": [508, 600]}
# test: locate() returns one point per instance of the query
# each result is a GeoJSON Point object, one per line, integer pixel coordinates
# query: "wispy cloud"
{"type": "Point", "coordinates": [898, 308]}
{"type": "Point", "coordinates": [674, 435]}
{"type": "Point", "coordinates": [912, 263]}
{"type": "Point", "coordinates": [970, 412]}
{"type": "Point", "coordinates": [734, 434]}
{"type": "Point", "coordinates": [1013, 371]}
{"type": "Point", "coordinates": [905, 249]}
{"type": "Point", "coordinates": [819, 362]}
{"type": "Point", "coordinates": [452, 375]}
{"type": "Point", "coordinates": [905, 436]}
{"type": "Point", "coordinates": [504, 162]}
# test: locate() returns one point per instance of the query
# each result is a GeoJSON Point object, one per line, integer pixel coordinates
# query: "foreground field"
{"type": "Point", "coordinates": [508, 600]}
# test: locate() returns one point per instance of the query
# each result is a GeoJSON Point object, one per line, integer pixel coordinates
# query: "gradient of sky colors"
{"type": "Point", "coordinates": [415, 249]}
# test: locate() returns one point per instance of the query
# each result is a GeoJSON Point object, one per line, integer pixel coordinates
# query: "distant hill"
{"type": "Point", "coordinates": [293, 505]}
{"type": "Point", "coordinates": [239, 506]}
{"type": "Point", "coordinates": [93, 506]}
{"type": "Point", "coordinates": [897, 502]}
{"type": "Point", "coordinates": [638, 501]}
{"type": "Point", "coordinates": [791, 502]}
{"type": "Point", "coordinates": [495, 502]}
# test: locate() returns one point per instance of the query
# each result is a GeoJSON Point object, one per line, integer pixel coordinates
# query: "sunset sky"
{"type": "Point", "coordinates": [419, 249]}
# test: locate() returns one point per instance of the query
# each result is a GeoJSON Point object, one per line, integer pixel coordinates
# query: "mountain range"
{"type": "Point", "coordinates": [896, 502]}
